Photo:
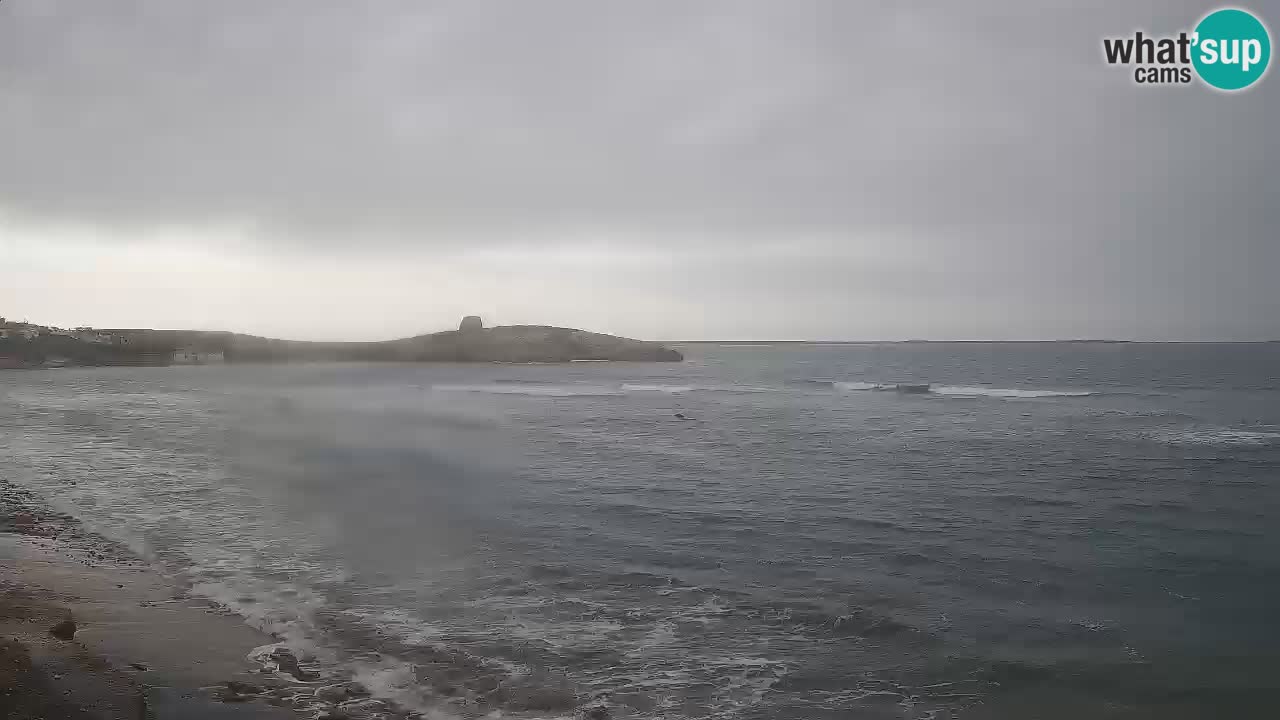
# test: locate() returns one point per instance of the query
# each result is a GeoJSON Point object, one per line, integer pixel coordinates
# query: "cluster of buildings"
{"type": "Point", "coordinates": [31, 331]}
{"type": "Point", "coordinates": [122, 346]}
{"type": "Point", "coordinates": [26, 331]}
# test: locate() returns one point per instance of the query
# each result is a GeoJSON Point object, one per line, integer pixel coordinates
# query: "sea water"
{"type": "Point", "coordinates": [1053, 530]}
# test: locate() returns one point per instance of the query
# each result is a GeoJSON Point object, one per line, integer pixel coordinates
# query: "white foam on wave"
{"type": "Point", "coordinates": [860, 386]}
{"type": "Point", "coordinates": [531, 389]}
{"type": "Point", "coordinates": [395, 680]}
{"type": "Point", "coordinates": [972, 391]}
{"type": "Point", "coordinates": [1006, 393]}
{"type": "Point", "coordinates": [679, 389]}
{"type": "Point", "coordinates": [670, 389]}
{"type": "Point", "coordinates": [547, 390]}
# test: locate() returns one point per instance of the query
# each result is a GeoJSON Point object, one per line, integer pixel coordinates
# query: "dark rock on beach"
{"type": "Point", "coordinates": [341, 692]}
{"type": "Point", "coordinates": [287, 663]}
{"type": "Point", "coordinates": [65, 630]}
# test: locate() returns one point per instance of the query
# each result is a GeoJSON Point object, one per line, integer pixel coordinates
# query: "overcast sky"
{"type": "Point", "coordinates": [784, 169]}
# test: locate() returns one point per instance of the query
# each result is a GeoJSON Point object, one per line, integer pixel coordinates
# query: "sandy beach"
{"type": "Point", "coordinates": [89, 632]}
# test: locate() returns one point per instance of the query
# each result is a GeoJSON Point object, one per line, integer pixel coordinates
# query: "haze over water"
{"type": "Point", "coordinates": [1078, 529]}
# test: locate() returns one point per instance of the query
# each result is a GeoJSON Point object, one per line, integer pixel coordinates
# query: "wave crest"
{"type": "Point", "coordinates": [969, 391]}
{"type": "Point", "coordinates": [508, 388]}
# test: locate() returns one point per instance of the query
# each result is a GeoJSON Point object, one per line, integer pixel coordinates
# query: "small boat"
{"type": "Point", "coordinates": [912, 388]}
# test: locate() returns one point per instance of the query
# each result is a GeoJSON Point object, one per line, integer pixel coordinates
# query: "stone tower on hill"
{"type": "Point", "coordinates": [471, 323]}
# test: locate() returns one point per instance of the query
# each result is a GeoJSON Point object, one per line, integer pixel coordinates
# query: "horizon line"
{"type": "Point", "coordinates": [923, 341]}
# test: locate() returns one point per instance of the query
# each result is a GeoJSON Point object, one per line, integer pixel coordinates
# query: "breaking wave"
{"type": "Point", "coordinates": [669, 389]}
{"type": "Point", "coordinates": [858, 386]}
{"type": "Point", "coordinates": [966, 391]}
{"type": "Point", "coordinates": [812, 382]}
{"type": "Point", "coordinates": [842, 386]}
{"type": "Point", "coordinates": [676, 389]}
{"type": "Point", "coordinates": [509, 387]}
{"type": "Point", "coordinates": [929, 388]}
{"type": "Point", "coordinates": [532, 389]}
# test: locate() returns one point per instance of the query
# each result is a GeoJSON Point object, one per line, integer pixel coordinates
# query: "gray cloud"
{"type": "Point", "coordinates": [989, 172]}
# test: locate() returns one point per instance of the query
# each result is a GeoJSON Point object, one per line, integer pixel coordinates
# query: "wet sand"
{"type": "Point", "coordinates": [88, 632]}
{"type": "Point", "coordinates": [137, 652]}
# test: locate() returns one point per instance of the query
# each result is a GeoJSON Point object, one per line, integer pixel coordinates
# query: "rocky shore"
{"type": "Point", "coordinates": [90, 632]}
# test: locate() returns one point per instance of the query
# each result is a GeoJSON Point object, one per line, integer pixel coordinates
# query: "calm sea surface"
{"type": "Point", "coordinates": [1054, 531]}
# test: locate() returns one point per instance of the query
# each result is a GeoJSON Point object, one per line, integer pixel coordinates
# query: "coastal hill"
{"type": "Point", "coordinates": [471, 342]}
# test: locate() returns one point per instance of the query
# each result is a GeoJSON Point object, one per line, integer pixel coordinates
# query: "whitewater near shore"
{"type": "Point", "coordinates": [89, 631]}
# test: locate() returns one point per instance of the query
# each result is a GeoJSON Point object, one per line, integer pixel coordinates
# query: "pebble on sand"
{"type": "Point", "coordinates": [64, 630]}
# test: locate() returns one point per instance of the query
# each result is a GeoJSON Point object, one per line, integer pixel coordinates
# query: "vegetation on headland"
{"type": "Point", "coordinates": [513, 343]}
{"type": "Point", "coordinates": [471, 343]}
{"type": "Point", "coordinates": [53, 350]}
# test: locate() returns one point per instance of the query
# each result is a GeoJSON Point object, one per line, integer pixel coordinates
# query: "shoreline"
{"type": "Point", "coordinates": [140, 647]}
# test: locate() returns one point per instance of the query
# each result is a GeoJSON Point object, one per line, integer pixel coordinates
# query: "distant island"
{"type": "Point", "coordinates": [28, 345]}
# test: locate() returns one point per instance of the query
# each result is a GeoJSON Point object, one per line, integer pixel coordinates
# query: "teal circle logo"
{"type": "Point", "coordinates": [1232, 49]}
